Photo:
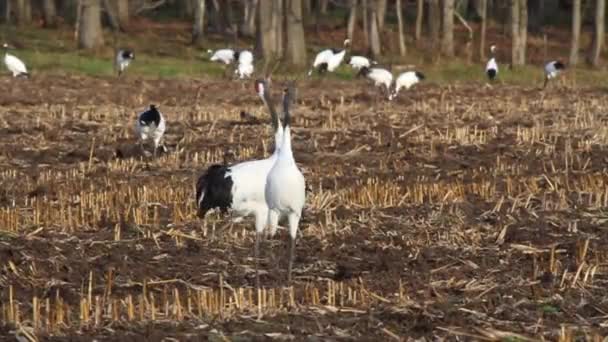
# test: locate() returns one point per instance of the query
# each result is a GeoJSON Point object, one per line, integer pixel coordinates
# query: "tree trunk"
{"type": "Point", "coordinates": [90, 35]}
{"type": "Point", "coordinates": [447, 39]}
{"type": "Point", "coordinates": [7, 13]}
{"type": "Point", "coordinates": [49, 12]}
{"type": "Point", "coordinates": [365, 15]}
{"type": "Point", "coordinates": [265, 35]}
{"type": "Point", "coordinates": [434, 20]}
{"type": "Point", "coordinates": [576, 31]}
{"type": "Point", "coordinates": [110, 11]}
{"type": "Point", "coordinates": [248, 28]}
{"type": "Point", "coordinates": [225, 13]}
{"type": "Point", "coordinates": [24, 12]}
{"type": "Point", "coordinates": [523, 31]}
{"type": "Point", "coordinates": [419, 15]}
{"type": "Point", "coordinates": [483, 13]}
{"type": "Point", "coordinates": [352, 19]}
{"type": "Point", "coordinates": [323, 5]}
{"type": "Point", "coordinates": [402, 48]}
{"type": "Point", "coordinates": [198, 28]}
{"type": "Point", "coordinates": [381, 12]}
{"type": "Point", "coordinates": [515, 32]}
{"type": "Point", "coordinates": [598, 33]}
{"type": "Point", "coordinates": [296, 45]}
{"type": "Point", "coordinates": [374, 33]}
{"type": "Point", "coordinates": [122, 12]}
{"type": "Point", "coordinates": [278, 26]}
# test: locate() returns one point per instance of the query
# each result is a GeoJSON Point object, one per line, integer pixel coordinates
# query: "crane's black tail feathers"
{"type": "Point", "coordinates": [214, 190]}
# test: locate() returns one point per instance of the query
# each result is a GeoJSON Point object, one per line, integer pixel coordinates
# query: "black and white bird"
{"type": "Point", "coordinates": [151, 126]}
{"type": "Point", "coordinates": [124, 57]}
{"type": "Point", "coordinates": [329, 59]}
{"type": "Point", "coordinates": [358, 62]}
{"type": "Point", "coordinates": [492, 66]}
{"type": "Point", "coordinates": [244, 68]}
{"type": "Point", "coordinates": [285, 185]}
{"type": "Point", "coordinates": [406, 80]}
{"type": "Point", "coordinates": [381, 77]}
{"type": "Point", "coordinates": [225, 56]}
{"type": "Point", "coordinates": [240, 187]}
{"type": "Point", "coordinates": [14, 64]}
{"type": "Point", "coordinates": [552, 70]}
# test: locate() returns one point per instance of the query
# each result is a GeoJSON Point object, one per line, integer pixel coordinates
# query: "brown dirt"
{"type": "Point", "coordinates": [457, 195]}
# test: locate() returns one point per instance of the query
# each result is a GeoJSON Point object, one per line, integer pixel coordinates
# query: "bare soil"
{"type": "Point", "coordinates": [457, 212]}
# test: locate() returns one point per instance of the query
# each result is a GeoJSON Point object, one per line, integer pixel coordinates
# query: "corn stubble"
{"type": "Point", "coordinates": [489, 207]}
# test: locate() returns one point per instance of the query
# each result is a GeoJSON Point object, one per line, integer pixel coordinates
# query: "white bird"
{"type": "Point", "coordinates": [151, 126]}
{"type": "Point", "coordinates": [406, 80]}
{"type": "Point", "coordinates": [552, 70]}
{"type": "Point", "coordinates": [14, 64]}
{"type": "Point", "coordinates": [358, 62]}
{"type": "Point", "coordinates": [380, 77]}
{"type": "Point", "coordinates": [244, 68]}
{"type": "Point", "coordinates": [492, 66]}
{"type": "Point", "coordinates": [240, 187]}
{"type": "Point", "coordinates": [123, 59]}
{"type": "Point", "coordinates": [329, 59]}
{"type": "Point", "coordinates": [226, 56]}
{"type": "Point", "coordinates": [285, 185]}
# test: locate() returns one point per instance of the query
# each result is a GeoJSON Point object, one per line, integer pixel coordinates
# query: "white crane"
{"type": "Point", "coordinates": [329, 59]}
{"type": "Point", "coordinates": [358, 62]}
{"type": "Point", "coordinates": [225, 56]}
{"type": "Point", "coordinates": [552, 70]}
{"type": "Point", "coordinates": [124, 57]}
{"type": "Point", "coordinates": [406, 80]}
{"type": "Point", "coordinates": [14, 64]}
{"type": "Point", "coordinates": [244, 68]}
{"type": "Point", "coordinates": [380, 76]}
{"type": "Point", "coordinates": [151, 126]}
{"type": "Point", "coordinates": [240, 187]}
{"type": "Point", "coordinates": [285, 185]}
{"type": "Point", "coordinates": [492, 66]}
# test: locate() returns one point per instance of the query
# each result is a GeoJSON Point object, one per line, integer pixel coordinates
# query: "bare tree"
{"type": "Point", "coordinates": [576, 31]}
{"type": "Point", "coordinates": [381, 12]}
{"type": "Point", "coordinates": [90, 35]}
{"type": "Point", "coordinates": [514, 6]}
{"type": "Point", "coordinates": [49, 12]}
{"type": "Point", "coordinates": [278, 26]}
{"type": "Point", "coordinates": [447, 37]}
{"type": "Point", "coordinates": [249, 12]}
{"type": "Point", "coordinates": [352, 19]}
{"type": "Point", "coordinates": [598, 33]}
{"type": "Point", "coordinates": [198, 28]}
{"type": "Point", "coordinates": [364, 14]}
{"type": "Point", "coordinates": [399, 9]}
{"type": "Point", "coordinates": [434, 21]}
{"type": "Point", "coordinates": [296, 45]}
{"type": "Point", "coordinates": [23, 11]}
{"type": "Point", "coordinates": [122, 12]}
{"type": "Point", "coordinates": [419, 15]}
{"type": "Point", "coordinates": [374, 32]}
{"type": "Point", "coordinates": [483, 10]}
{"type": "Point", "coordinates": [266, 34]}
{"type": "Point", "coordinates": [523, 31]}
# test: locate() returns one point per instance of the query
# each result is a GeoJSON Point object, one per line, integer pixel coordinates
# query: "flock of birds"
{"type": "Point", "coordinates": [272, 188]}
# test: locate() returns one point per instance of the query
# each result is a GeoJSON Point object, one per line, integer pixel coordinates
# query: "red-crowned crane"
{"type": "Point", "coordinates": [14, 64]}
{"type": "Point", "coordinates": [240, 187]}
{"type": "Point", "coordinates": [285, 185]}
{"type": "Point", "coordinates": [329, 59]}
{"type": "Point", "coordinates": [124, 57]}
{"type": "Point", "coordinates": [552, 70]}
{"type": "Point", "coordinates": [151, 126]}
{"type": "Point", "coordinates": [406, 80]}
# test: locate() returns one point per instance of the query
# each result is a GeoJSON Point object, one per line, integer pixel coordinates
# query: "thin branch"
{"type": "Point", "coordinates": [149, 6]}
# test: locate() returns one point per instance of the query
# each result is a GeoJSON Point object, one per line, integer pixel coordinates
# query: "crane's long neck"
{"type": "Point", "coordinates": [286, 144]}
{"type": "Point", "coordinates": [276, 122]}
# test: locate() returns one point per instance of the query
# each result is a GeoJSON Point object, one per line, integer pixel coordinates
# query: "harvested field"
{"type": "Point", "coordinates": [460, 212]}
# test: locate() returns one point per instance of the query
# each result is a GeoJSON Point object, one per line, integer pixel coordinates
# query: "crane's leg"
{"type": "Point", "coordinates": [261, 218]}
{"type": "Point", "coordinates": [273, 222]}
{"type": "Point", "coordinates": [546, 82]}
{"type": "Point", "coordinates": [294, 220]}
